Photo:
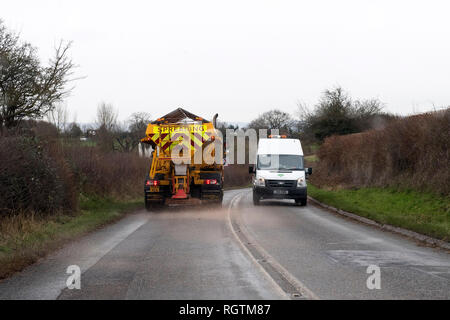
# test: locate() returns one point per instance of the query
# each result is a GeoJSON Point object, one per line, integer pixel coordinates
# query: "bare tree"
{"type": "Point", "coordinates": [367, 108]}
{"type": "Point", "coordinates": [128, 140]}
{"type": "Point", "coordinates": [58, 116]}
{"type": "Point", "coordinates": [106, 126]}
{"type": "Point", "coordinates": [27, 89]}
{"type": "Point", "coordinates": [273, 119]}
{"type": "Point", "coordinates": [337, 113]}
{"type": "Point", "coordinates": [303, 111]}
{"type": "Point", "coordinates": [106, 117]}
{"type": "Point", "coordinates": [138, 123]}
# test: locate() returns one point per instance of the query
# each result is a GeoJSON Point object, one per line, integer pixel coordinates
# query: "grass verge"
{"type": "Point", "coordinates": [312, 158]}
{"type": "Point", "coordinates": [424, 213]}
{"type": "Point", "coordinates": [26, 238]}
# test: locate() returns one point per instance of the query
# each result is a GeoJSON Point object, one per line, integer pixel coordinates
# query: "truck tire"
{"type": "Point", "coordinates": [152, 206]}
{"type": "Point", "coordinates": [301, 201]}
{"type": "Point", "coordinates": [256, 199]}
{"type": "Point", "coordinates": [148, 205]}
{"type": "Point", "coordinates": [219, 202]}
{"type": "Point", "coordinates": [196, 192]}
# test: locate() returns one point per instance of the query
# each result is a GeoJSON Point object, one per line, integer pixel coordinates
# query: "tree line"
{"type": "Point", "coordinates": [336, 113]}
{"type": "Point", "coordinates": [30, 90]}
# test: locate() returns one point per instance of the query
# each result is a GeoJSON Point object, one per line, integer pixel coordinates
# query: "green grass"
{"type": "Point", "coordinates": [424, 213]}
{"type": "Point", "coordinates": [25, 238]}
{"type": "Point", "coordinates": [88, 143]}
{"type": "Point", "coordinates": [311, 158]}
{"type": "Point", "coordinates": [76, 141]}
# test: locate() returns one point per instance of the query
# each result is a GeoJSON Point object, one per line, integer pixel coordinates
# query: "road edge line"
{"type": "Point", "coordinates": [293, 281]}
{"type": "Point", "coordinates": [281, 292]}
{"type": "Point", "coordinates": [398, 230]}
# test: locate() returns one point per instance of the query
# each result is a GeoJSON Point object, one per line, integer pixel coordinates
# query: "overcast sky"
{"type": "Point", "coordinates": [241, 58]}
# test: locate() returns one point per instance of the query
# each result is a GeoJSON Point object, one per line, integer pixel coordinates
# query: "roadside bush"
{"type": "Point", "coordinates": [236, 175]}
{"type": "Point", "coordinates": [411, 152]}
{"type": "Point", "coordinates": [337, 113]}
{"type": "Point", "coordinates": [44, 174]}
{"type": "Point", "coordinates": [107, 174]}
{"type": "Point", "coordinates": [33, 178]}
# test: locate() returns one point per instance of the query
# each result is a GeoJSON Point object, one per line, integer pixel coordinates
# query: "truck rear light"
{"type": "Point", "coordinates": [152, 183]}
{"type": "Point", "coordinates": [210, 181]}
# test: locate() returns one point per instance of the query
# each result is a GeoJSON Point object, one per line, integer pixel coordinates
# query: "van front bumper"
{"type": "Point", "coordinates": [280, 192]}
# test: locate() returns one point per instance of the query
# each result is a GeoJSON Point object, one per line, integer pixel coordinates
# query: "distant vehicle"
{"type": "Point", "coordinates": [279, 172]}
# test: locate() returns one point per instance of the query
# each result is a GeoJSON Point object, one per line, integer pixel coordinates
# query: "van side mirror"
{"type": "Point", "coordinates": [251, 169]}
{"type": "Point", "coordinates": [309, 171]}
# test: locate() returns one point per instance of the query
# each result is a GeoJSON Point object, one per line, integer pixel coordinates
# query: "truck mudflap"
{"type": "Point", "coordinates": [182, 202]}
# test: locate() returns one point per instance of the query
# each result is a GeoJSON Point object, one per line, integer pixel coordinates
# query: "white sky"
{"type": "Point", "coordinates": [241, 58]}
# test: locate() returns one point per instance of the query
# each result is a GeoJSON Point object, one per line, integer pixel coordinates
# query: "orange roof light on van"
{"type": "Point", "coordinates": [277, 136]}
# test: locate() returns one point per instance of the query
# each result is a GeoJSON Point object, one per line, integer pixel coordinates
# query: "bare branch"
{"type": "Point", "coordinates": [27, 89]}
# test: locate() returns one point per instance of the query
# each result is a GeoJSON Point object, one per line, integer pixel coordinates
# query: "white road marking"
{"type": "Point", "coordinates": [276, 287]}
{"type": "Point", "coordinates": [306, 292]}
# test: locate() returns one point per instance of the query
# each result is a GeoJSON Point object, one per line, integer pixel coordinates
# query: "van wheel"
{"type": "Point", "coordinates": [256, 199]}
{"type": "Point", "coordinates": [301, 201]}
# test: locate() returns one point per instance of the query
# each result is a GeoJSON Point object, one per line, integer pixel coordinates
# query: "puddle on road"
{"type": "Point", "coordinates": [385, 258]}
{"type": "Point", "coordinates": [412, 259]}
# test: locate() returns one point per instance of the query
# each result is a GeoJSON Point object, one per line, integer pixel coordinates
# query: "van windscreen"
{"type": "Point", "coordinates": [280, 162]}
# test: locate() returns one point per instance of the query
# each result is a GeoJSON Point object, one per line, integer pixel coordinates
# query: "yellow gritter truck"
{"type": "Point", "coordinates": [185, 168]}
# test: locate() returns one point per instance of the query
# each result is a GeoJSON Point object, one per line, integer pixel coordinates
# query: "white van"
{"type": "Point", "coordinates": [279, 171]}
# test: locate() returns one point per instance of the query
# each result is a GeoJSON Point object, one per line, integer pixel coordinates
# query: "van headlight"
{"type": "Point", "coordinates": [260, 182]}
{"type": "Point", "coordinates": [301, 183]}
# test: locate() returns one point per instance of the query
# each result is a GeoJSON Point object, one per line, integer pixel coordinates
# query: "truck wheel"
{"type": "Point", "coordinates": [152, 206]}
{"type": "Point", "coordinates": [196, 192]}
{"type": "Point", "coordinates": [256, 199]}
{"type": "Point", "coordinates": [301, 201]}
{"type": "Point", "coordinates": [219, 202]}
{"type": "Point", "coordinates": [148, 205]}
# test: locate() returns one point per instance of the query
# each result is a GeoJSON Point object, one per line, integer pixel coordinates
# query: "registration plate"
{"type": "Point", "coordinates": [280, 192]}
{"type": "Point", "coordinates": [154, 189]}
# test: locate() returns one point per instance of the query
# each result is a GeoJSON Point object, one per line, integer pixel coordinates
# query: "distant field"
{"type": "Point", "coordinates": [424, 213]}
{"type": "Point", "coordinates": [311, 158]}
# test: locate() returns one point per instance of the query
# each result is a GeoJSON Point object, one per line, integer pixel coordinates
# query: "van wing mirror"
{"type": "Point", "coordinates": [251, 169]}
{"type": "Point", "coordinates": [309, 171]}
